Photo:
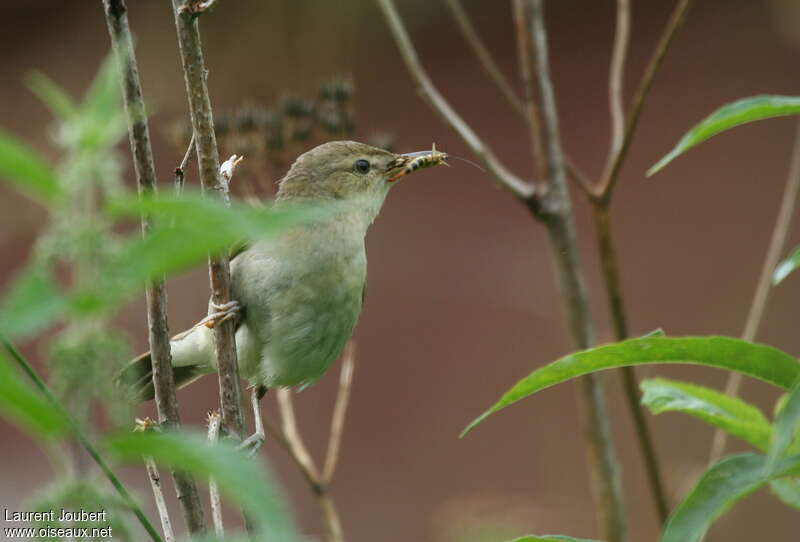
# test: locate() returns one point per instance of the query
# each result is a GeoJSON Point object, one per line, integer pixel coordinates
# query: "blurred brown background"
{"type": "Point", "coordinates": [462, 300]}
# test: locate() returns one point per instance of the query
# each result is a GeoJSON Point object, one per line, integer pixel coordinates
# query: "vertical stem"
{"type": "Point", "coordinates": [81, 437]}
{"type": "Point", "coordinates": [208, 159]}
{"type": "Point", "coordinates": [616, 80]}
{"type": "Point", "coordinates": [158, 331]}
{"type": "Point", "coordinates": [556, 212]}
{"type": "Point", "coordinates": [527, 68]}
{"type": "Point", "coordinates": [158, 495]}
{"type": "Point", "coordinates": [602, 221]}
{"type": "Point", "coordinates": [764, 287]}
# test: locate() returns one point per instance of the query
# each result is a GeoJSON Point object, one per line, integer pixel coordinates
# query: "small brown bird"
{"type": "Point", "coordinates": [297, 297]}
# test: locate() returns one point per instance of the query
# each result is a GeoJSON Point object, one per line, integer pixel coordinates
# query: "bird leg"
{"type": "Point", "coordinates": [221, 313]}
{"type": "Point", "coordinates": [254, 442]}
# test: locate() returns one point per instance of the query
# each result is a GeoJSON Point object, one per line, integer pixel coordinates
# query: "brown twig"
{"type": "Point", "coordinates": [158, 495]}
{"type": "Point", "coordinates": [602, 221]}
{"type": "Point", "coordinates": [484, 56]}
{"type": "Point", "coordinates": [209, 167]}
{"type": "Point", "coordinates": [292, 434]}
{"type": "Point", "coordinates": [559, 220]}
{"type": "Point", "coordinates": [155, 483]}
{"type": "Point", "coordinates": [428, 91]}
{"type": "Point", "coordinates": [611, 175]}
{"type": "Point", "coordinates": [776, 249]}
{"type": "Point", "coordinates": [163, 382]}
{"type": "Point", "coordinates": [214, 423]}
{"type": "Point", "coordinates": [180, 171]}
{"type": "Point", "coordinates": [291, 439]}
{"type": "Point", "coordinates": [630, 385]}
{"type": "Point", "coordinates": [527, 70]}
{"type": "Point", "coordinates": [616, 76]}
{"type": "Point", "coordinates": [339, 411]}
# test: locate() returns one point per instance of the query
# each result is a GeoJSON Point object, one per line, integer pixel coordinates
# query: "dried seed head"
{"type": "Point", "coordinates": [297, 107]}
{"type": "Point", "coordinates": [338, 89]}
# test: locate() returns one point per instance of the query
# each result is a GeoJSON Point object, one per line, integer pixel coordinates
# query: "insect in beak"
{"type": "Point", "coordinates": [410, 162]}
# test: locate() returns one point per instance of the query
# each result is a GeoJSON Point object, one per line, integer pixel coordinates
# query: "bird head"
{"type": "Point", "coordinates": [351, 172]}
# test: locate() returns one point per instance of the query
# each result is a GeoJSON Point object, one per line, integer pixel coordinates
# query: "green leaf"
{"type": "Point", "coordinates": [26, 407]}
{"type": "Point", "coordinates": [31, 303]}
{"type": "Point", "coordinates": [727, 482]}
{"type": "Point", "coordinates": [21, 166]}
{"type": "Point", "coordinates": [786, 425]}
{"type": "Point", "coordinates": [240, 477]}
{"type": "Point", "coordinates": [728, 116]}
{"type": "Point", "coordinates": [731, 414]}
{"type": "Point", "coordinates": [759, 361]}
{"type": "Point", "coordinates": [52, 95]}
{"type": "Point", "coordinates": [786, 266]}
{"type": "Point", "coordinates": [550, 538]}
{"type": "Point", "coordinates": [787, 490]}
{"type": "Point", "coordinates": [101, 119]}
{"type": "Point", "coordinates": [201, 226]}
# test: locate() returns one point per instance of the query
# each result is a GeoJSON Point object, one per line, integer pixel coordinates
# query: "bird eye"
{"type": "Point", "coordinates": [361, 166]}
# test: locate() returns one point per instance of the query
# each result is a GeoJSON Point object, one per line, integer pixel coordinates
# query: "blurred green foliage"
{"type": "Point", "coordinates": [89, 260]}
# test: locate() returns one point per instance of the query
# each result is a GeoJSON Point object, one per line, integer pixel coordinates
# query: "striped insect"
{"type": "Point", "coordinates": [422, 159]}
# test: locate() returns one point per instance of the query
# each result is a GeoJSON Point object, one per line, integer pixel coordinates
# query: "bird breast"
{"type": "Point", "coordinates": [302, 301]}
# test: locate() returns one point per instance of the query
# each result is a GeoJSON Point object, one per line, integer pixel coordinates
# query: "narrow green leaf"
{"type": "Point", "coordinates": [785, 268]}
{"type": "Point", "coordinates": [31, 303]}
{"type": "Point", "coordinates": [192, 227]}
{"type": "Point", "coordinates": [550, 538]}
{"type": "Point", "coordinates": [731, 414]}
{"type": "Point", "coordinates": [52, 95]}
{"type": "Point", "coordinates": [786, 425]}
{"type": "Point", "coordinates": [241, 478]}
{"type": "Point", "coordinates": [787, 490]}
{"type": "Point", "coordinates": [728, 116]}
{"type": "Point", "coordinates": [727, 482]}
{"type": "Point", "coordinates": [26, 407]}
{"type": "Point", "coordinates": [758, 361]}
{"type": "Point", "coordinates": [22, 167]}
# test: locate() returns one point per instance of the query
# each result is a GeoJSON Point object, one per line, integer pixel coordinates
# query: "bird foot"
{"type": "Point", "coordinates": [253, 443]}
{"type": "Point", "coordinates": [221, 313]}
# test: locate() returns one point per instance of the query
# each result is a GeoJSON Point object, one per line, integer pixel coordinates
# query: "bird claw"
{"type": "Point", "coordinates": [221, 313]}
{"type": "Point", "coordinates": [253, 443]}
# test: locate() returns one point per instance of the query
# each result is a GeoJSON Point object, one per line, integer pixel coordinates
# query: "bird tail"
{"type": "Point", "coordinates": [138, 376]}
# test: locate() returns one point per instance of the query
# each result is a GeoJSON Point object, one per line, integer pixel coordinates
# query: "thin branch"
{"type": "Point", "coordinates": [559, 220]}
{"type": "Point", "coordinates": [527, 70]}
{"type": "Point", "coordinates": [180, 171]}
{"type": "Point", "coordinates": [611, 175]}
{"type": "Point", "coordinates": [616, 77]}
{"type": "Point", "coordinates": [602, 221]}
{"type": "Point", "coordinates": [214, 423]}
{"type": "Point", "coordinates": [158, 495]}
{"type": "Point", "coordinates": [209, 167]}
{"type": "Point", "coordinates": [777, 245]}
{"type": "Point", "coordinates": [291, 439]}
{"type": "Point", "coordinates": [292, 434]}
{"type": "Point", "coordinates": [281, 439]}
{"type": "Point", "coordinates": [163, 381]}
{"type": "Point", "coordinates": [484, 56]}
{"type": "Point", "coordinates": [155, 482]}
{"type": "Point", "coordinates": [81, 437]}
{"type": "Point", "coordinates": [608, 260]}
{"type": "Point", "coordinates": [431, 94]}
{"type": "Point", "coordinates": [339, 412]}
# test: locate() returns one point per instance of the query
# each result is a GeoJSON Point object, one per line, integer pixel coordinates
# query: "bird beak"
{"type": "Point", "coordinates": [412, 161]}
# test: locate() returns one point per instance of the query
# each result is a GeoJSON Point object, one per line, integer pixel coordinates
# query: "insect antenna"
{"type": "Point", "coordinates": [470, 162]}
